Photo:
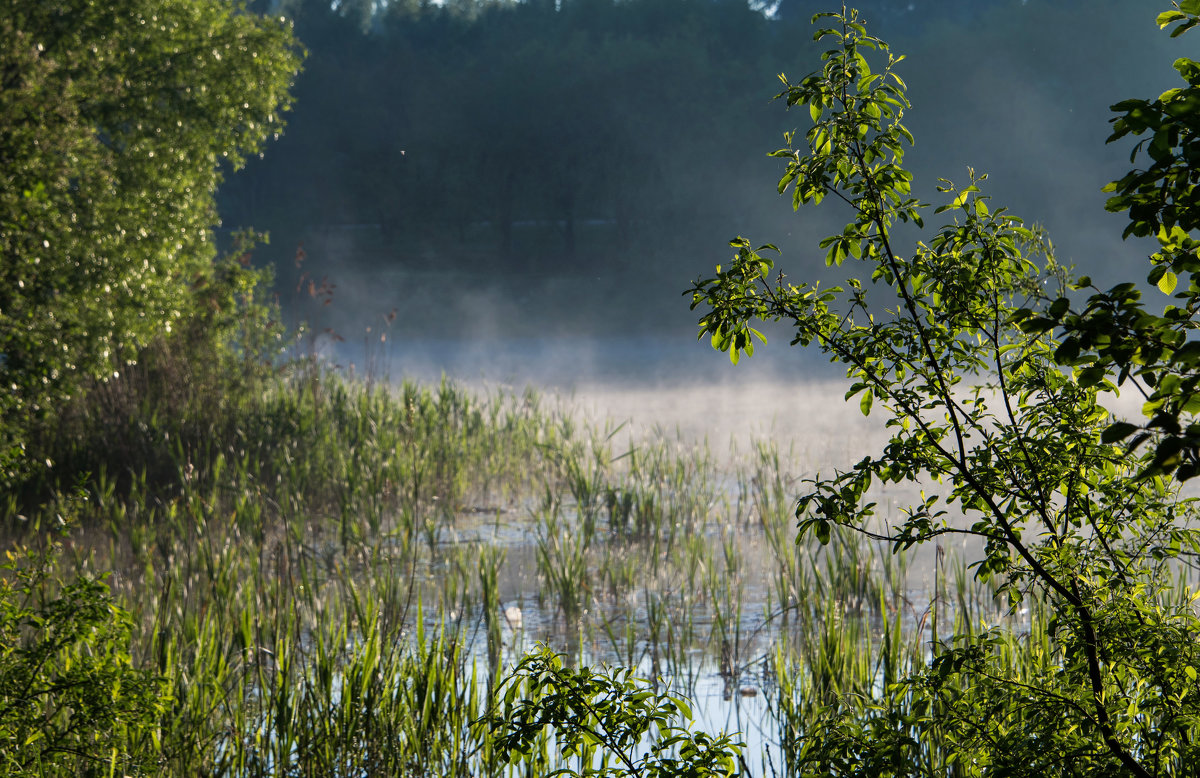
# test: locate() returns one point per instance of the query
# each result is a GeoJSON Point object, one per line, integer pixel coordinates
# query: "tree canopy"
{"type": "Point", "coordinates": [117, 122]}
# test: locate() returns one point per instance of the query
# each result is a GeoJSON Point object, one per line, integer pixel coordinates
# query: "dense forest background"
{"type": "Point", "coordinates": [494, 168]}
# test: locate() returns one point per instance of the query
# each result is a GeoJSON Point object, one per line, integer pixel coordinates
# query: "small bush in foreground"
{"type": "Point", "coordinates": [71, 701]}
{"type": "Point", "coordinates": [608, 723]}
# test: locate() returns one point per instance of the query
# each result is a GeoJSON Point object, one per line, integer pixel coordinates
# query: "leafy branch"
{"type": "Point", "coordinates": [980, 316]}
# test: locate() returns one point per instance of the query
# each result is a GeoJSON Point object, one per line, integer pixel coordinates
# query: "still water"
{"type": "Point", "coordinates": [706, 609]}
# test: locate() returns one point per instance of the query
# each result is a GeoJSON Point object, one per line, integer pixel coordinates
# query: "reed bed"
{"type": "Point", "coordinates": [337, 578]}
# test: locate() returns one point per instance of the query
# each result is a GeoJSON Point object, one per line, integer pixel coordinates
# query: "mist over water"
{"type": "Point", "coordinates": [1018, 90]}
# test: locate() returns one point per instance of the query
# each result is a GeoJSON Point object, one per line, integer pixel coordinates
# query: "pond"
{"type": "Point", "coordinates": [358, 555]}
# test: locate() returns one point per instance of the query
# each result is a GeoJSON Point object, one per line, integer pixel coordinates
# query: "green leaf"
{"type": "Point", "coordinates": [1118, 431]}
{"type": "Point", "coordinates": [1187, 355]}
{"type": "Point", "coordinates": [1167, 283]}
{"type": "Point", "coordinates": [822, 529]}
{"type": "Point", "coordinates": [1181, 29]}
{"type": "Point", "coordinates": [1167, 17]}
{"type": "Point", "coordinates": [864, 402]}
{"type": "Point", "coordinates": [1067, 352]}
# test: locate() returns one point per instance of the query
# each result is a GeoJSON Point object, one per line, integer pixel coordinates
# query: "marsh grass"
{"type": "Point", "coordinates": [295, 578]}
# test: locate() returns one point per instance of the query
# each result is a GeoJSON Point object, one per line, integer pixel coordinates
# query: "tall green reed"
{"type": "Point", "coordinates": [276, 574]}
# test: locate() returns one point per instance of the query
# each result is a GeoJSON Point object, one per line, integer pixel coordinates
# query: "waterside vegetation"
{"type": "Point", "coordinates": [318, 586]}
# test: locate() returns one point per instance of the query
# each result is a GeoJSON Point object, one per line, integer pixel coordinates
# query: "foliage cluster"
{"type": "Point", "coordinates": [1114, 333]}
{"type": "Point", "coordinates": [117, 122]}
{"type": "Point", "coordinates": [68, 688]}
{"type": "Point", "coordinates": [608, 723]}
{"type": "Point", "coordinates": [993, 387]}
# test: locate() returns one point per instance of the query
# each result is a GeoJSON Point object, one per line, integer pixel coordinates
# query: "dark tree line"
{"type": "Point", "coordinates": [569, 137]}
{"type": "Point", "coordinates": [538, 134]}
